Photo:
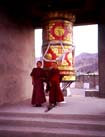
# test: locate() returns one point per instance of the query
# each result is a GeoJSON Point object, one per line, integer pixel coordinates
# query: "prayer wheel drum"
{"type": "Point", "coordinates": [57, 43]}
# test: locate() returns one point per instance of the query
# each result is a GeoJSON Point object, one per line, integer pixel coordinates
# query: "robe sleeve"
{"type": "Point", "coordinates": [32, 73]}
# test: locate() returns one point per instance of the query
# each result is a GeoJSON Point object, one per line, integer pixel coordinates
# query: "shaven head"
{"type": "Point", "coordinates": [39, 64]}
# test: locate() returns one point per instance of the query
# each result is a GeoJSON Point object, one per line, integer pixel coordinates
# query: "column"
{"type": "Point", "coordinates": [101, 57]}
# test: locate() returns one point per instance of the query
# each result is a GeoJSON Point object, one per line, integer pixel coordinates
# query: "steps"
{"type": "Point", "coordinates": [13, 124]}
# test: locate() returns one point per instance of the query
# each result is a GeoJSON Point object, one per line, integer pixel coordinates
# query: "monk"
{"type": "Point", "coordinates": [55, 93]}
{"type": "Point", "coordinates": [38, 95]}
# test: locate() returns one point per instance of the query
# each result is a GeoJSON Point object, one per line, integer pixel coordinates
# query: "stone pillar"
{"type": "Point", "coordinates": [101, 57]}
{"type": "Point", "coordinates": [16, 59]}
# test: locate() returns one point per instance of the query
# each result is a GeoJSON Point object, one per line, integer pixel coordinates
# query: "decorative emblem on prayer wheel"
{"type": "Point", "coordinates": [58, 43]}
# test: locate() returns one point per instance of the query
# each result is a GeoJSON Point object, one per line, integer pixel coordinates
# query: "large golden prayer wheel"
{"type": "Point", "coordinates": [58, 43]}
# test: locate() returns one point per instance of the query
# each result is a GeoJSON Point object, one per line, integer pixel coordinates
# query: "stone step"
{"type": "Point", "coordinates": [17, 131]}
{"type": "Point", "coordinates": [58, 121]}
{"type": "Point", "coordinates": [53, 123]}
{"type": "Point", "coordinates": [48, 125]}
{"type": "Point", "coordinates": [54, 116]}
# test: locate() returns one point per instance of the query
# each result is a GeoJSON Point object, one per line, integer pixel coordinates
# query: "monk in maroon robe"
{"type": "Point", "coordinates": [55, 93]}
{"type": "Point", "coordinates": [38, 95]}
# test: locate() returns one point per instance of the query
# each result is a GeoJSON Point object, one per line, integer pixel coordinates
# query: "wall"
{"type": "Point", "coordinates": [91, 79]}
{"type": "Point", "coordinates": [16, 59]}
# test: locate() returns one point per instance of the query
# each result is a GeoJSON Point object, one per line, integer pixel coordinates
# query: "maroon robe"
{"type": "Point", "coordinates": [38, 96]}
{"type": "Point", "coordinates": [55, 93]}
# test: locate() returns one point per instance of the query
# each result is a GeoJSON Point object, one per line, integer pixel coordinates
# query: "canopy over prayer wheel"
{"type": "Point", "coordinates": [58, 43]}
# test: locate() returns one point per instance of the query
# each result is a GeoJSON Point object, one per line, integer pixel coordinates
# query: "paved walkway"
{"type": "Point", "coordinates": [75, 104]}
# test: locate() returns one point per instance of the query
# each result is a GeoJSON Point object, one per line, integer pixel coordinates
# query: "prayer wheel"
{"type": "Point", "coordinates": [58, 43]}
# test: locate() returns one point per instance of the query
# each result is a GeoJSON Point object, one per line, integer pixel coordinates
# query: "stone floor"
{"type": "Point", "coordinates": [76, 103]}
{"type": "Point", "coordinates": [77, 116]}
